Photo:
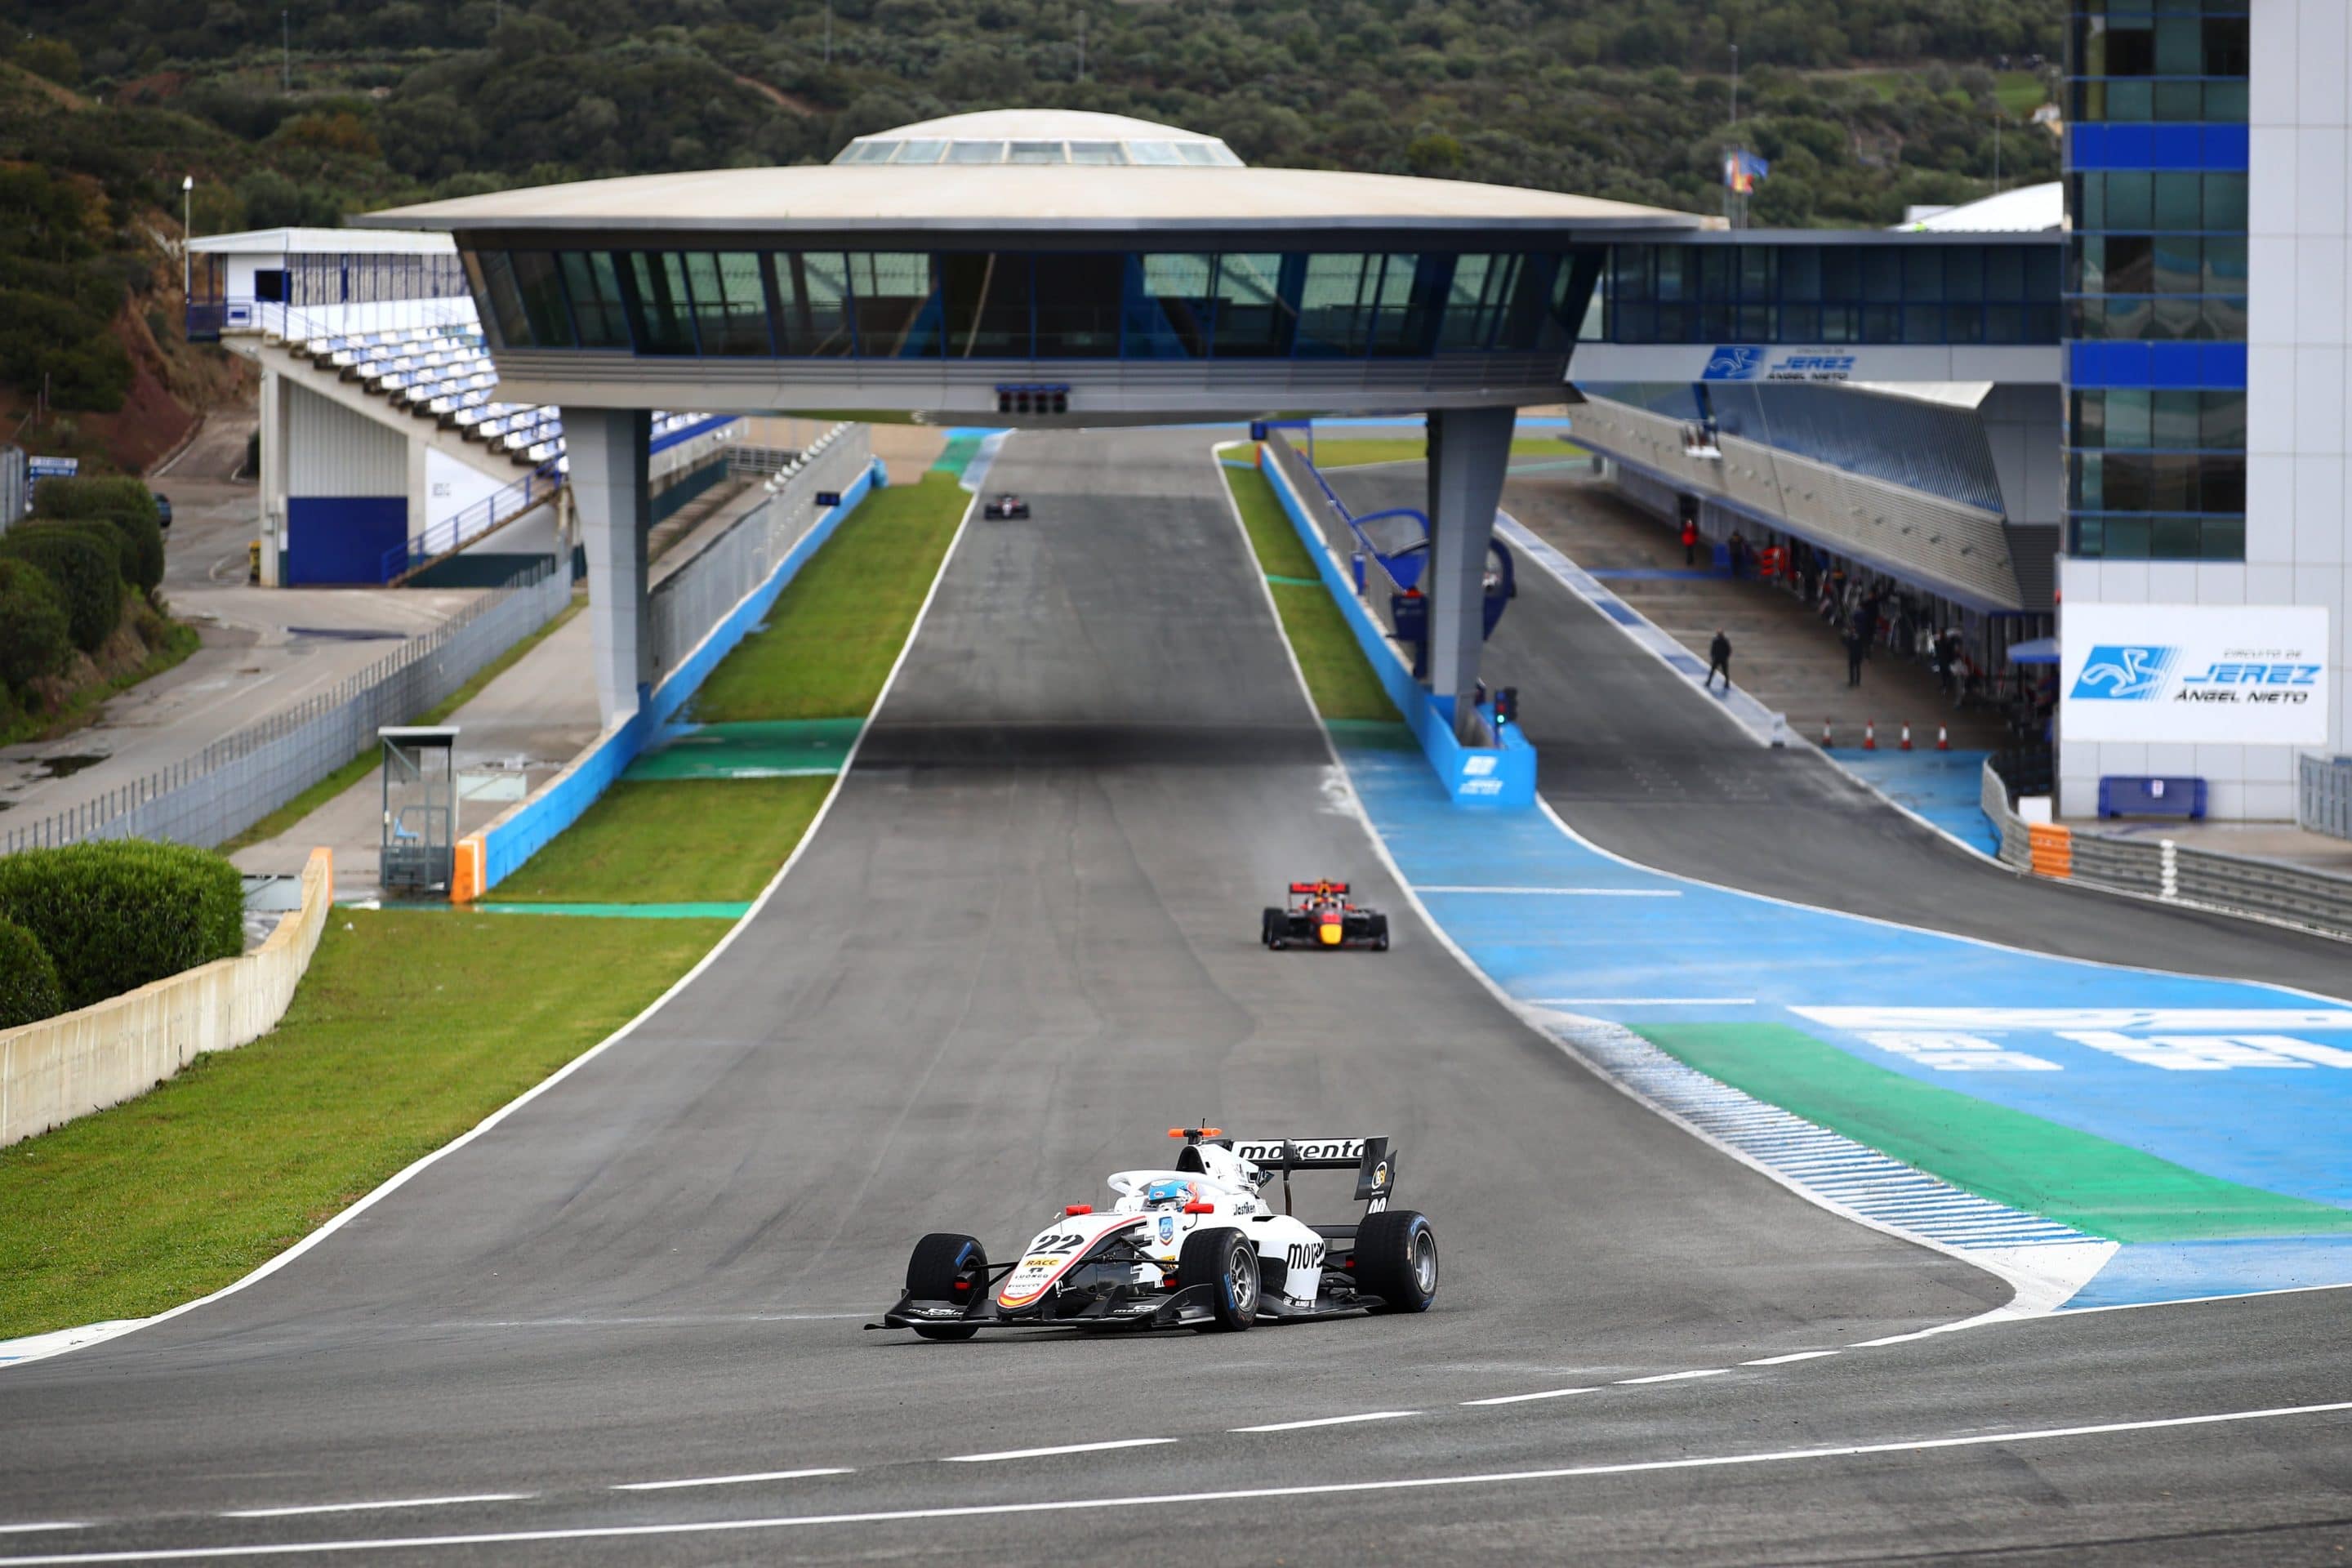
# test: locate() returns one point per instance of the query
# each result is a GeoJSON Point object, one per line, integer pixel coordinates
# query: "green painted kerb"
{"type": "Point", "coordinates": [752, 749]}
{"type": "Point", "coordinates": [2106, 1188]}
{"type": "Point", "coordinates": [1295, 582]}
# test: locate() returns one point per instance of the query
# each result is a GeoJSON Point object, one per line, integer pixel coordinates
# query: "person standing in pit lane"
{"type": "Point", "coordinates": [1690, 543]}
{"type": "Point", "coordinates": [1718, 661]}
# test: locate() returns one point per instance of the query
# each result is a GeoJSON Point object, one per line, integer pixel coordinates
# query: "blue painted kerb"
{"type": "Point", "coordinates": [515, 837]}
{"type": "Point", "coordinates": [1487, 778]}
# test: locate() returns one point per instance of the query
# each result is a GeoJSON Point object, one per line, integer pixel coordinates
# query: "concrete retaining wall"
{"type": "Point", "coordinates": [102, 1055]}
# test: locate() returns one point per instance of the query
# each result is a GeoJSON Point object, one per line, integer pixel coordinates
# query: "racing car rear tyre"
{"type": "Point", "coordinates": [1225, 1260]}
{"type": "Point", "coordinates": [1396, 1260]}
{"type": "Point", "coordinates": [1379, 933]}
{"type": "Point", "coordinates": [941, 1262]}
{"type": "Point", "coordinates": [1270, 927]}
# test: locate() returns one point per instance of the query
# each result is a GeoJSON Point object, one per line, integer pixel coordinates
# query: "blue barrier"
{"type": "Point", "coordinates": [1501, 776]}
{"type": "Point", "coordinates": [514, 838]}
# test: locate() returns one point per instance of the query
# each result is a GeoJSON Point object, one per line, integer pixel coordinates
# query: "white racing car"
{"type": "Point", "coordinates": [1196, 1245]}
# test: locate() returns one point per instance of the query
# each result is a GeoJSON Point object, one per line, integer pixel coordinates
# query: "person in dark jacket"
{"type": "Point", "coordinates": [1718, 661]}
{"type": "Point", "coordinates": [1854, 649]}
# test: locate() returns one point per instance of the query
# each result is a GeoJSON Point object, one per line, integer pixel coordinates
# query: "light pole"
{"type": "Point", "coordinates": [187, 232]}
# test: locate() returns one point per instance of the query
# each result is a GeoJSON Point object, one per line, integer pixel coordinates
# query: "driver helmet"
{"type": "Point", "coordinates": [1165, 1193]}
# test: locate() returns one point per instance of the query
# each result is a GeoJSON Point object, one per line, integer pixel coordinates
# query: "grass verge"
{"type": "Point", "coordinates": [1337, 677]}
{"type": "Point", "coordinates": [412, 1026]}
{"type": "Point", "coordinates": [672, 841]}
{"type": "Point", "coordinates": [409, 1028]}
{"type": "Point", "coordinates": [1351, 451]}
{"type": "Point", "coordinates": [839, 624]}
{"type": "Point", "coordinates": [365, 763]}
{"type": "Point", "coordinates": [180, 640]}
{"type": "Point", "coordinates": [2009, 1156]}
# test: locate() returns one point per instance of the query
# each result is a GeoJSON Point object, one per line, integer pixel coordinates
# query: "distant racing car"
{"type": "Point", "coordinates": [1320, 915]}
{"type": "Point", "coordinates": [1195, 1246]}
{"type": "Point", "coordinates": [1007, 505]}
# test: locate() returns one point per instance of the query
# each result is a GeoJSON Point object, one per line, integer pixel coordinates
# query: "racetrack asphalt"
{"type": "Point", "coordinates": [1021, 943]}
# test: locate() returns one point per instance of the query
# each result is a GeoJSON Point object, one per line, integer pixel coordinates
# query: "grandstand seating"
{"type": "Point", "coordinates": [443, 374]}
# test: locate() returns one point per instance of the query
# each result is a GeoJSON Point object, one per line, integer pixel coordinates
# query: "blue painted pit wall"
{"type": "Point", "coordinates": [1490, 778]}
{"type": "Point", "coordinates": [342, 539]}
{"type": "Point", "coordinates": [507, 843]}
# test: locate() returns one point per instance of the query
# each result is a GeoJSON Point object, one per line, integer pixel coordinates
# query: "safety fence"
{"type": "Point", "coordinates": [2170, 872]}
{"type": "Point", "coordinates": [689, 602]}
{"type": "Point", "coordinates": [2322, 796]}
{"type": "Point", "coordinates": [243, 777]}
{"type": "Point", "coordinates": [697, 617]}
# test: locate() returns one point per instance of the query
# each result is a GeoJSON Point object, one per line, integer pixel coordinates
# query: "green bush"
{"type": "Point", "coordinates": [96, 496]}
{"type": "Point", "coordinates": [143, 548]}
{"type": "Point", "coordinates": [116, 914]}
{"type": "Point", "coordinates": [28, 980]}
{"type": "Point", "coordinates": [86, 570]}
{"type": "Point", "coordinates": [33, 641]}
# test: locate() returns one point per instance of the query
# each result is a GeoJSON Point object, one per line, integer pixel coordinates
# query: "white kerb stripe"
{"type": "Point", "coordinates": [1065, 1449]}
{"type": "Point", "coordinates": [1676, 1376]}
{"type": "Point", "coordinates": [1523, 1398]}
{"type": "Point", "coordinates": [727, 1480]}
{"type": "Point", "coordinates": [1785, 1360]}
{"type": "Point", "coordinates": [374, 1503]}
{"type": "Point", "coordinates": [1166, 1499]}
{"type": "Point", "coordinates": [1328, 1421]}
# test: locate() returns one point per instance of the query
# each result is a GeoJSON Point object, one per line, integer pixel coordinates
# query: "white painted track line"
{"type": "Point", "coordinates": [1065, 1449]}
{"type": "Point", "coordinates": [1328, 1421]}
{"type": "Point", "coordinates": [1162, 1501]}
{"type": "Point", "coordinates": [727, 1480]}
{"type": "Point", "coordinates": [1677, 1376]}
{"type": "Point", "coordinates": [1523, 1398]}
{"type": "Point", "coordinates": [374, 1503]}
{"type": "Point", "coordinates": [1642, 1002]}
{"type": "Point", "coordinates": [53, 1524]}
{"type": "Point", "coordinates": [1785, 1360]}
{"type": "Point", "coordinates": [1560, 892]}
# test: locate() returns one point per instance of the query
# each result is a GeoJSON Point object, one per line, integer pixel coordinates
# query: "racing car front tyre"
{"type": "Point", "coordinates": [1225, 1261]}
{"type": "Point", "coordinates": [1396, 1260]}
{"type": "Point", "coordinates": [947, 1268]}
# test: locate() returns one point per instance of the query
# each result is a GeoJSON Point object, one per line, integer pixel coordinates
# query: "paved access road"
{"type": "Point", "coordinates": [1022, 943]}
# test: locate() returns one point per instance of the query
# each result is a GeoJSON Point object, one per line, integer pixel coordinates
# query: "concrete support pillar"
{"type": "Point", "coordinates": [275, 443]}
{"type": "Point", "coordinates": [1468, 450]}
{"type": "Point", "coordinates": [609, 449]}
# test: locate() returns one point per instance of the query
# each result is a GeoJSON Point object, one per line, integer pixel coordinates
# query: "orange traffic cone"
{"type": "Point", "coordinates": [1906, 734]}
{"type": "Point", "coordinates": [1870, 734]}
{"type": "Point", "coordinates": [1943, 741]}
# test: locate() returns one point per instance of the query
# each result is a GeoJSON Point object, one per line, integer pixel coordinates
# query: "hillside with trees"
{"type": "Point", "coordinates": [1862, 106]}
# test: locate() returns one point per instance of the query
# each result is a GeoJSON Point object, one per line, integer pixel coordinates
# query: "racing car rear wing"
{"type": "Point", "coordinates": [1369, 1158]}
{"type": "Point", "coordinates": [1340, 888]}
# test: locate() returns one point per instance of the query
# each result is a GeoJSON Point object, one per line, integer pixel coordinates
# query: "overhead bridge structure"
{"type": "Point", "coordinates": [1062, 269]}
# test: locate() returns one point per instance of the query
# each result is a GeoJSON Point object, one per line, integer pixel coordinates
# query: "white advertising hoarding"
{"type": "Point", "coordinates": [2253, 675]}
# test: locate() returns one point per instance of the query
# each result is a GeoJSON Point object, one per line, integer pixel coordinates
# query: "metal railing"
{"type": "Point", "coordinates": [690, 601]}
{"type": "Point", "coordinates": [533, 489]}
{"type": "Point", "coordinates": [208, 319]}
{"type": "Point", "coordinates": [2322, 796]}
{"type": "Point", "coordinates": [2171, 873]}
{"type": "Point", "coordinates": [243, 777]}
